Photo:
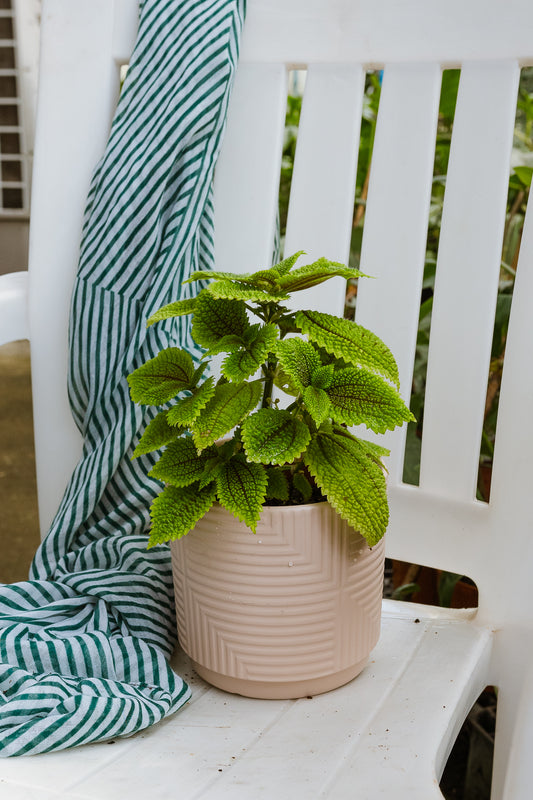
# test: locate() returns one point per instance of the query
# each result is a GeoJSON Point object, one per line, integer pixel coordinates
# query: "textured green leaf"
{"type": "Point", "coordinates": [158, 433]}
{"type": "Point", "coordinates": [284, 382]}
{"type": "Point", "coordinates": [273, 436]}
{"type": "Point", "coordinates": [298, 359]}
{"type": "Point", "coordinates": [266, 276]}
{"type": "Point", "coordinates": [322, 376]}
{"type": "Point", "coordinates": [211, 470]}
{"type": "Point", "coordinates": [277, 486]}
{"type": "Point", "coordinates": [245, 362]}
{"type": "Point", "coordinates": [317, 403]}
{"type": "Point", "coordinates": [180, 464]}
{"type": "Point", "coordinates": [226, 409]}
{"type": "Point", "coordinates": [357, 397]}
{"type": "Point", "coordinates": [210, 275]}
{"type": "Point", "coordinates": [186, 410]}
{"type": "Point", "coordinates": [231, 290]}
{"type": "Point", "coordinates": [302, 485]}
{"type": "Point", "coordinates": [264, 279]}
{"type": "Point", "coordinates": [287, 264]}
{"type": "Point", "coordinates": [251, 334]}
{"type": "Point", "coordinates": [351, 480]}
{"type": "Point", "coordinates": [214, 319]}
{"type": "Point", "coordinates": [227, 344]}
{"type": "Point", "coordinates": [240, 365]}
{"type": "Point", "coordinates": [198, 372]}
{"type": "Point", "coordinates": [347, 340]}
{"type": "Point", "coordinates": [177, 309]}
{"type": "Point", "coordinates": [315, 273]}
{"type": "Point", "coordinates": [374, 451]}
{"type": "Point", "coordinates": [241, 488]}
{"type": "Point", "coordinates": [176, 511]}
{"type": "Point", "coordinates": [161, 378]}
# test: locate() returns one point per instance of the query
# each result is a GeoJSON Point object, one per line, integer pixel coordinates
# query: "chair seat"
{"type": "Point", "coordinates": [402, 712]}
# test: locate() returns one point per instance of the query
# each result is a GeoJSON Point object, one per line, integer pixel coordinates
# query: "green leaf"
{"type": "Point", "coordinates": [263, 279]}
{"type": "Point", "coordinates": [268, 276]}
{"type": "Point", "coordinates": [161, 378]}
{"type": "Point", "coordinates": [226, 409]}
{"type": "Point", "coordinates": [273, 436]}
{"type": "Point", "coordinates": [227, 344]}
{"type": "Point", "coordinates": [230, 290]}
{"type": "Point", "coordinates": [198, 372]}
{"type": "Point", "coordinates": [299, 360]}
{"type": "Point", "coordinates": [177, 510]}
{"type": "Point", "coordinates": [448, 93]}
{"type": "Point", "coordinates": [317, 403]}
{"type": "Point", "coordinates": [158, 433]}
{"type": "Point", "coordinates": [241, 488]}
{"type": "Point", "coordinates": [180, 464]}
{"type": "Point", "coordinates": [214, 319]}
{"type": "Point", "coordinates": [322, 376]}
{"type": "Point", "coordinates": [374, 451]}
{"type": "Point", "coordinates": [524, 174]}
{"type": "Point", "coordinates": [245, 362]}
{"type": "Point", "coordinates": [284, 382]}
{"type": "Point", "coordinates": [315, 273]}
{"type": "Point", "coordinates": [187, 409]}
{"type": "Point", "coordinates": [352, 481]}
{"type": "Point", "coordinates": [210, 275]}
{"type": "Point", "coordinates": [177, 309]}
{"type": "Point", "coordinates": [287, 264]}
{"type": "Point", "coordinates": [252, 333]}
{"type": "Point", "coordinates": [347, 340]}
{"type": "Point", "coordinates": [277, 486]}
{"type": "Point", "coordinates": [211, 470]}
{"type": "Point", "coordinates": [357, 397]}
{"type": "Point", "coordinates": [302, 485]}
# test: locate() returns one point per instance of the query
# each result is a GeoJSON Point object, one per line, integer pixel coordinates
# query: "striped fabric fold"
{"type": "Point", "coordinates": [84, 643]}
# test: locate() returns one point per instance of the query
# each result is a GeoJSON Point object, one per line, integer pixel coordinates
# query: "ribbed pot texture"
{"type": "Point", "coordinates": [291, 611]}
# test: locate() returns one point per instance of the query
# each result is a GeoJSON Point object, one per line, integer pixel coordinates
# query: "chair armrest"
{"type": "Point", "coordinates": [13, 307]}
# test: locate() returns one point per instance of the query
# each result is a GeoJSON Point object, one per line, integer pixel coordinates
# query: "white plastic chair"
{"type": "Point", "coordinates": [389, 732]}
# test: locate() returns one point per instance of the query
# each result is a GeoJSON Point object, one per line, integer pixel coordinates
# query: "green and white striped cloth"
{"type": "Point", "coordinates": [84, 643]}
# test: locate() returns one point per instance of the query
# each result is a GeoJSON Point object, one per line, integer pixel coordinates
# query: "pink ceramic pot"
{"type": "Point", "coordinates": [291, 611]}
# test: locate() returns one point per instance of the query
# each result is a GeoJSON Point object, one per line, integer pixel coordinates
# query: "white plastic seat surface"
{"type": "Point", "coordinates": [388, 733]}
{"type": "Point", "coordinates": [341, 744]}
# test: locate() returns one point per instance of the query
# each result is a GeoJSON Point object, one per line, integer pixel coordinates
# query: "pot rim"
{"type": "Point", "coordinates": [320, 504]}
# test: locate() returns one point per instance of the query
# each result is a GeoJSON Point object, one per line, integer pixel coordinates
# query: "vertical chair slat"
{"type": "Point", "coordinates": [248, 169]}
{"type": "Point", "coordinates": [126, 22]}
{"type": "Point", "coordinates": [466, 285]}
{"type": "Point", "coordinates": [512, 472]}
{"type": "Point", "coordinates": [395, 229]}
{"type": "Point", "coordinates": [78, 89]}
{"type": "Point", "coordinates": [323, 183]}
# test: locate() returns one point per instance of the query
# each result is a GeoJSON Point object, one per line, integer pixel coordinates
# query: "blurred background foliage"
{"type": "Point", "coordinates": [468, 771]}
{"type": "Point", "coordinates": [519, 185]}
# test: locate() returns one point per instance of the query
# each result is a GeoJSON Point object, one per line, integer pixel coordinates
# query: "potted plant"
{"type": "Point", "coordinates": [295, 609]}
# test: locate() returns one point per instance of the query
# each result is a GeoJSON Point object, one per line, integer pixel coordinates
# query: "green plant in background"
{"type": "Point", "coordinates": [519, 187]}
{"type": "Point", "coordinates": [229, 439]}
{"type": "Point", "coordinates": [292, 120]}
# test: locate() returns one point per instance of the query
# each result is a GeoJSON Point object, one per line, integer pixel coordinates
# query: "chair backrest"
{"type": "Point", "coordinates": [439, 522]}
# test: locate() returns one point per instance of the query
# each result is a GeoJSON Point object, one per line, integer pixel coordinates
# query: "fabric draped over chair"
{"type": "Point", "coordinates": [84, 643]}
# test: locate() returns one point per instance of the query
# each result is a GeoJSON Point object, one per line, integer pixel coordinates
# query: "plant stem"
{"type": "Point", "coordinates": [269, 370]}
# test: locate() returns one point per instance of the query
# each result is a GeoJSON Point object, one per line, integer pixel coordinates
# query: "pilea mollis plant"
{"type": "Point", "coordinates": [231, 440]}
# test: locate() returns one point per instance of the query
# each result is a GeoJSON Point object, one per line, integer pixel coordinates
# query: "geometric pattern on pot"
{"type": "Point", "coordinates": [300, 598]}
